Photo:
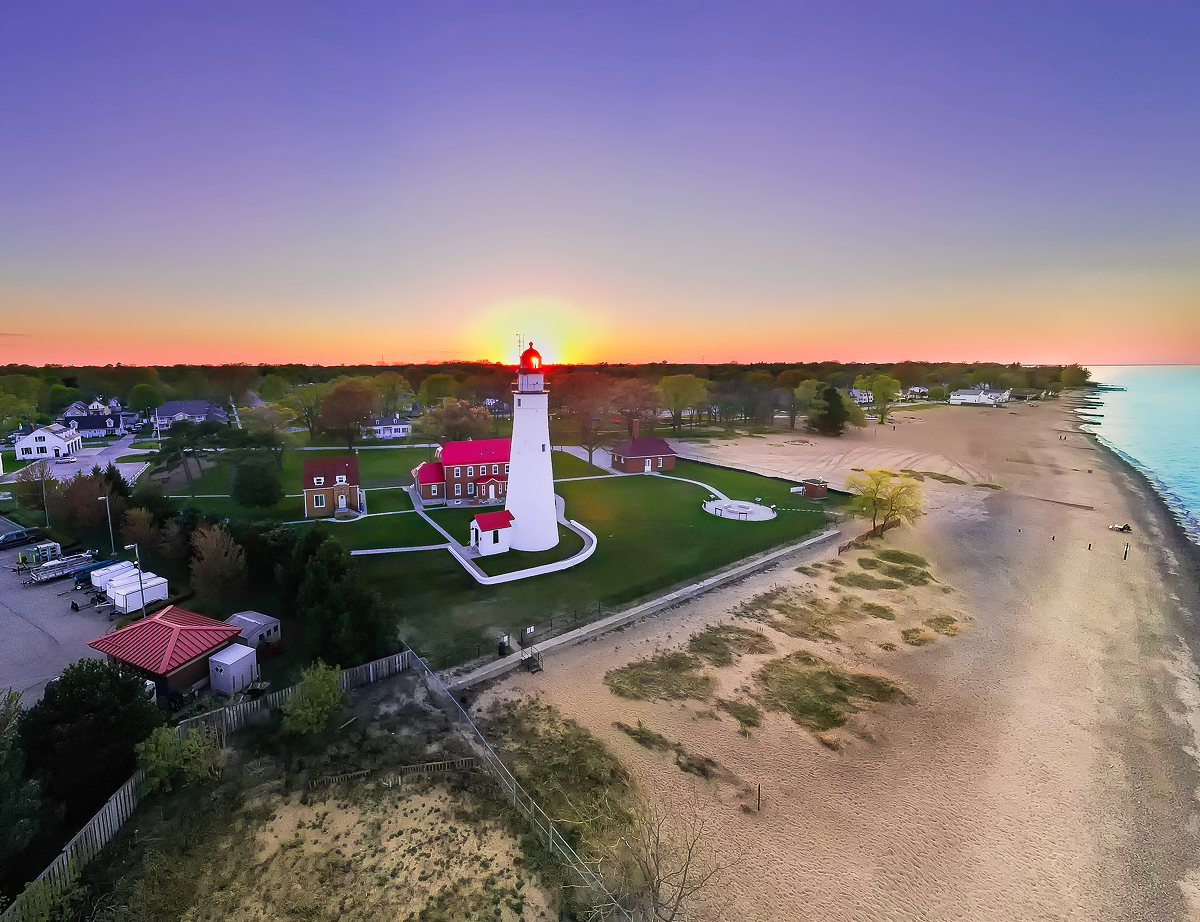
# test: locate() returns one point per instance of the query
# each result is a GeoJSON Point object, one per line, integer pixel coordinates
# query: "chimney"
{"type": "Point", "coordinates": [637, 424]}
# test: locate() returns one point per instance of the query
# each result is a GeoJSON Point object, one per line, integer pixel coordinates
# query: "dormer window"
{"type": "Point", "coordinates": [340, 478]}
{"type": "Point", "coordinates": [318, 481]}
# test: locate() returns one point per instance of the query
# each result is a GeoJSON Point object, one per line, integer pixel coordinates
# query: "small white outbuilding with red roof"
{"type": "Point", "coordinates": [491, 532]}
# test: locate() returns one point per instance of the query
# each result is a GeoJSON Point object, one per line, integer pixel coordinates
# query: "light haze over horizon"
{"type": "Point", "coordinates": [618, 182]}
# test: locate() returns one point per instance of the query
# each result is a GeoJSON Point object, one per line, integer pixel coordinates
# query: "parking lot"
{"type": "Point", "coordinates": [39, 634]}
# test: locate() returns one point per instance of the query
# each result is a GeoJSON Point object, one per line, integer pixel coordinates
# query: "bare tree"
{"type": "Point", "coordinates": [218, 564]}
{"type": "Point", "coordinates": [586, 396]}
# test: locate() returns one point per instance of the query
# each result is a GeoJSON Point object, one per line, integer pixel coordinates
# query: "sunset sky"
{"type": "Point", "coordinates": [691, 181]}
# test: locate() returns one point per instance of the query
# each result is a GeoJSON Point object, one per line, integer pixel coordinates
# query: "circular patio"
{"type": "Point", "coordinates": [738, 509]}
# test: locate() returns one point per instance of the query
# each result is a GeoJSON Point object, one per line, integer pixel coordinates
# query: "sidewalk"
{"type": "Point", "coordinates": [495, 670]}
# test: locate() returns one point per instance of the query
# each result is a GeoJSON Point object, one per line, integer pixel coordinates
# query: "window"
{"type": "Point", "coordinates": [471, 470]}
{"type": "Point", "coordinates": [319, 501]}
{"type": "Point", "coordinates": [39, 438]}
{"type": "Point", "coordinates": [458, 489]}
{"type": "Point", "coordinates": [433, 489]}
{"type": "Point", "coordinates": [660, 462]}
{"type": "Point", "coordinates": [518, 401]}
{"type": "Point", "coordinates": [41, 449]}
{"type": "Point", "coordinates": [495, 469]}
{"type": "Point", "coordinates": [340, 478]}
{"type": "Point", "coordinates": [458, 472]}
{"type": "Point", "coordinates": [543, 447]}
{"type": "Point", "coordinates": [26, 451]}
{"type": "Point", "coordinates": [318, 481]}
{"type": "Point", "coordinates": [496, 536]}
{"type": "Point", "coordinates": [471, 488]}
{"type": "Point", "coordinates": [506, 470]}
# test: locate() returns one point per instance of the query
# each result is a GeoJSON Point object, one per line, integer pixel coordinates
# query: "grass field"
{"type": "Point", "coordinates": [567, 465]}
{"type": "Point", "coordinates": [652, 534]}
{"type": "Point", "coordinates": [12, 464]}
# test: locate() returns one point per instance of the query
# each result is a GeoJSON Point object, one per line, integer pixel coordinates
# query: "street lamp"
{"type": "Point", "coordinates": [141, 588]}
{"type": "Point", "coordinates": [108, 507]}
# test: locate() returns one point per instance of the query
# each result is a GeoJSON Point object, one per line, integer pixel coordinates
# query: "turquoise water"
{"type": "Point", "coordinates": [1155, 425]}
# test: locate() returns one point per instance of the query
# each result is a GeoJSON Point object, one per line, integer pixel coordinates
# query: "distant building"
{"type": "Point", "coordinates": [258, 630]}
{"type": "Point", "coordinates": [860, 396]}
{"type": "Point", "coordinates": [53, 441]}
{"type": "Point", "coordinates": [78, 408]}
{"type": "Point", "coordinates": [331, 486]}
{"type": "Point", "coordinates": [643, 453]}
{"type": "Point", "coordinates": [96, 426]}
{"type": "Point", "coordinates": [468, 473]}
{"type": "Point", "coordinates": [983, 395]}
{"type": "Point", "coordinates": [195, 411]}
{"type": "Point", "coordinates": [917, 392]}
{"type": "Point", "coordinates": [387, 427]}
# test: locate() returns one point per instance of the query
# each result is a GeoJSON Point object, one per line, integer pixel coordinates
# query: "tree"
{"type": "Point", "coordinates": [160, 757]}
{"type": "Point", "coordinates": [34, 485]}
{"type": "Point", "coordinates": [186, 444]}
{"type": "Point", "coordinates": [14, 411]}
{"type": "Point", "coordinates": [789, 383]}
{"type": "Point", "coordinates": [394, 393]}
{"type": "Point", "coordinates": [805, 393]}
{"type": "Point", "coordinates": [937, 393]}
{"type": "Point", "coordinates": [137, 527]}
{"type": "Point", "coordinates": [887, 499]}
{"type": "Point", "coordinates": [303, 405]}
{"type": "Point", "coordinates": [272, 388]}
{"type": "Point", "coordinates": [437, 388]}
{"type": "Point", "coordinates": [270, 426]}
{"type": "Point", "coordinates": [200, 755]}
{"type": "Point", "coordinates": [454, 421]}
{"type": "Point", "coordinates": [145, 397]}
{"type": "Point", "coordinates": [349, 406]}
{"type": "Point", "coordinates": [681, 393]}
{"type": "Point", "coordinates": [317, 698]}
{"type": "Point", "coordinates": [74, 507]}
{"type": "Point", "coordinates": [586, 396]}
{"type": "Point", "coordinates": [81, 735]}
{"type": "Point", "coordinates": [218, 565]}
{"type": "Point", "coordinates": [827, 412]}
{"type": "Point", "coordinates": [1075, 375]}
{"type": "Point", "coordinates": [115, 482]}
{"type": "Point", "coordinates": [633, 398]}
{"type": "Point", "coordinates": [885, 391]}
{"type": "Point", "coordinates": [256, 482]}
{"type": "Point", "coordinates": [20, 797]}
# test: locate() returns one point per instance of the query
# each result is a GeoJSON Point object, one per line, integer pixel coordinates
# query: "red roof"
{"type": "Point", "coordinates": [644, 446]}
{"type": "Point", "coordinates": [484, 450]}
{"type": "Point", "coordinates": [164, 641]}
{"type": "Point", "coordinates": [429, 472]}
{"type": "Point", "coordinates": [330, 468]}
{"type": "Point", "coordinates": [490, 521]}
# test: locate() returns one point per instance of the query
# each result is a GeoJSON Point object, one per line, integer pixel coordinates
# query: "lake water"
{"type": "Point", "coordinates": [1155, 425]}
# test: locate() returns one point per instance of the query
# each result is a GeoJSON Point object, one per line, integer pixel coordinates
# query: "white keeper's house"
{"type": "Point", "coordinates": [53, 441]}
{"type": "Point", "coordinates": [983, 395]}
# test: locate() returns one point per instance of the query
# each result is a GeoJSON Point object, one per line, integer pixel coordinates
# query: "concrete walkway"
{"type": "Point", "coordinates": [500, 667]}
{"type": "Point", "coordinates": [399, 550]}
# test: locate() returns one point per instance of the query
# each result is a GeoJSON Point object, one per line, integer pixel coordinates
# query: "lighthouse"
{"type": "Point", "coordinates": [530, 496]}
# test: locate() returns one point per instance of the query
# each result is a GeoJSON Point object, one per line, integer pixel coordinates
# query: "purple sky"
{"type": "Point", "coordinates": [336, 182]}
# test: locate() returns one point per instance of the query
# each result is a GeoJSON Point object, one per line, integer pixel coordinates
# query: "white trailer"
{"type": "Point", "coordinates": [127, 597]}
{"type": "Point", "coordinates": [233, 669]}
{"type": "Point", "coordinates": [105, 575]}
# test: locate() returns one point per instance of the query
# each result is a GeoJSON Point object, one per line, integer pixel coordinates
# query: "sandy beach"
{"type": "Point", "coordinates": [1044, 766]}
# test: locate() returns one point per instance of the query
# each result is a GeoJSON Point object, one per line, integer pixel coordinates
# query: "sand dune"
{"type": "Point", "coordinates": [1041, 770]}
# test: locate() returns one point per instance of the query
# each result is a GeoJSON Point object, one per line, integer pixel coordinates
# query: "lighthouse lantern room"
{"type": "Point", "coordinates": [530, 496]}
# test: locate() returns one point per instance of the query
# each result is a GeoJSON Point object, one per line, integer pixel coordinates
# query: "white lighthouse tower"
{"type": "Point", "coordinates": [530, 496]}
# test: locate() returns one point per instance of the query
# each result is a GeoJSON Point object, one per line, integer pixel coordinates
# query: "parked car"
{"type": "Point", "coordinates": [19, 537]}
{"type": "Point", "coordinates": [69, 459]}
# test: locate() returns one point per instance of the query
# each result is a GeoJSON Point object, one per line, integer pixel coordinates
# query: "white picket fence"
{"type": "Point", "coordinates": [38, 898]}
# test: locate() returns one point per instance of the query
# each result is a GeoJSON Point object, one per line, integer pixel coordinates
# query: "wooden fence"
{"type": "Point", "coordinates": [39, 897]}
{"type": "Point", "coordinates": [866, 536]}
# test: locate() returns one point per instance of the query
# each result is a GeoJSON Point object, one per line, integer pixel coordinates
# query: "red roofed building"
{"type": "Point", "coordinates": [465, 473]}
{"type": "Point", "coordinates": [491, 532]}
{"type": "Point", "coordinates": [171, 647]}
{"type": "Point", "coordinates": [331, 485]}
{"type": "Point", "coordinates": [643, 454]}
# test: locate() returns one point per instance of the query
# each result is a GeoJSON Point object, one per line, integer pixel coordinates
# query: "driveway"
{"type": "Point", "coordinates": [39, 634]}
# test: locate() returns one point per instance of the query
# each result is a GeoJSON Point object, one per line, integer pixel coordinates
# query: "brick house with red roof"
{"type": "Point", "coordinates": [643, 454]}
{"type": "Point", "coordinates": [469, 473]}
{"type": "Point", "coordinates": [171, 647]}
{"type": "Point", "coordinates": [331, 486]}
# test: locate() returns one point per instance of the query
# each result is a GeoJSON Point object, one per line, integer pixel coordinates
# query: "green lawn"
{"type": "Point", "coordinates": [290, 509]}
{"type": "Point", "coordinates": [569, 544]}
{"type": "Point", "coordinates": [152, 444]}
{"type": "Point", "coordinates": [567, 465]}
{"type": "Point", "coordinates": [652, 534]}
{"type": "Point", "coordinates": [405, 529]}
{"type": "Point", "coordinates": [387, 500]}
{"type": "Point", "coordinates": [738, 484]}
{"type": "Point", "coordinates": [10, 461]}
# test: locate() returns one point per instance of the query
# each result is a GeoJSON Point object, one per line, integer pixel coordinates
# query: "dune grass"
{"type": "Point", "coordinates": [743, 712]}
{"type": "Point", "coordinates": [644, 736]}
{"type": "Point", "coordinates": [722, 644]}
{"type": "Point", "coordinates": [990, 486]}
{"type": "Point", "coordinates": [876, 610]}
{"type": "Point", "coordinates": [904, 572]}
{"type": "Point", "coordinates": [804, 614]}
{"type": "Point", "coordinates": [895, 555]}
{"type": "Point", "coordinates": [943, 624]}
{"type": "Point", "coordinates": [819, 695]}
{"type": "Point", "coordinates": [672, 674]}
{"type": "Point", "coordinates": [860, 580]}
{"type": "Point", "coordinates": [915, 637]}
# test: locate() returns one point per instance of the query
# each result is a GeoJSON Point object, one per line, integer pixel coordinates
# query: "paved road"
{"type": "Point", "coordinates": [39, 634]}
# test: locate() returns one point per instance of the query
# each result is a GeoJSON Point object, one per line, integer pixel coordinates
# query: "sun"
{"type": "Point", "coordinates": [563, 332]}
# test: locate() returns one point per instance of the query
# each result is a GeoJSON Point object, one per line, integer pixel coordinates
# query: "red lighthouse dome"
{"type": "Point", "coordinates": [531, 359]}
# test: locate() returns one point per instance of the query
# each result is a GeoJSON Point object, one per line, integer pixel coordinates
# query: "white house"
{"type": "Point", "coordinates": [860, 396]}
{"type": "Point", "coordinates": [917, 392]}
{"type": "Point", "coordinates": [233, 669]}
{"type": "Point", "coordinates": [983, 395]}
{"type": "Point", "coordinates": [196, 411]}
{"type": "Point", "coordinates": [53, 441]}
{"type": "Point", "coordinates": [387, 427]}
{"type": "Point", "coordinates": [78, 408]}
{"type": "Point", "coordinates": [257, 629]}
{"type": "Point", "coordinates": [491, 532]}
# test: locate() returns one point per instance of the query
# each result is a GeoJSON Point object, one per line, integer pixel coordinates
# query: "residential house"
{"type": "Point", "coordinates": [468, 473]}
{"type": "Point", "coordinates": [643, 453]}
{"type": "Point", "coordinates": [53, 441]}
{"type": "Point", "coordinates": [78, 408]}
{"type": "Point", "coordinates": [387, 427]}
{"type": "Point", "coordinates": [100, 405]}
{"type": "Point", "coordinates": [861, 397]}
{"type": "Point", "coordinates": [917, 392]}
{"type": "Point", "coordinates": [171, 647]}
{"type": "Point", "coordinates": [331, 487]}
{"type": "Point", "coordinates": [96, 426]}
{"type": "Point", "coordinates": [491, 532]}
{"type": "Point", "coordinates": [983, 395]}
{"type": "Point", "coordinates": [196, 411]}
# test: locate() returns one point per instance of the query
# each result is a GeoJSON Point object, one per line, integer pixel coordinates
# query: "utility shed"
{"type": "Point", "coordinates": [258, 630]}
{"type": "Point", "coordinates": [233, 669]}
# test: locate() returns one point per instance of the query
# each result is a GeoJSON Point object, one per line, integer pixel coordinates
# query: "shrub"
{"type": "Point", "coordinates": [318, 697]}
{"type": "Point", "coordinates": [671, 674]}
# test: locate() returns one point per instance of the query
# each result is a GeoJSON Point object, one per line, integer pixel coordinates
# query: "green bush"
{"type": "Point", "coordinates": [318, 697]}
